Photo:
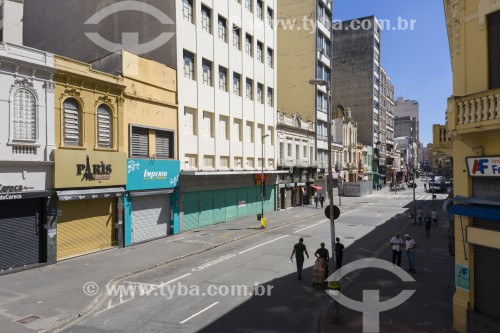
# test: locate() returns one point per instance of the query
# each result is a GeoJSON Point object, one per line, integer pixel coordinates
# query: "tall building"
{"type": "Point", "coordinates": [470, 138]}
{"type": "Point", "coordinates": [407, 126]}
{"type": "Point", "coordinates": [386, 121]}
{"type": "Point", "coordinates": [225, 53]}
{"type": "Point", "coordinates": [409, 108]}
{"type": "Point", "coordinates": [304, 53]}
{"type": "Point", "coordinates": [356, 82]}
{"type": "Point", "coordinates": [11, 21]}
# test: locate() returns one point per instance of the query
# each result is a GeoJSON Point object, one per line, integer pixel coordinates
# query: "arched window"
{"type": "Point", "coordinates": [71, 123]}
{"type": "Point", "coordinates": [104, 127]}
{"type": "Point", "coordinates": [24, 116]}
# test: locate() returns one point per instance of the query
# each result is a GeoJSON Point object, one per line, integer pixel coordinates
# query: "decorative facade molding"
{"type": "Point", "coordinates": [486, 7]}
{"type": "Point", "coordinates": [23, 83]}
{"type": "Point", "coordinates": [454, 22]}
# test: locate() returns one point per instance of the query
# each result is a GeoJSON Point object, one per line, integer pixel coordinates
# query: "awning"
{"type": "Point", "coordinates": [316, 187]}
{"type": "Point", "coordinates": [478, 212]}
{"type": "Point", "coordinates": [95, 193]}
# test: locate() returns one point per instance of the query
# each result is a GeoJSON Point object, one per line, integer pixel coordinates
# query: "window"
{"type": "Point", "coordinates": [189, 65]}
{"type": "Point", "coordinates": [249, 45]}
{"type": "Point", "coordinates": [249, 5]}
{"type": "Point", "coordinates": [223, 78]}
{"type": "Point", "coordinates": [297, 152]}
{"type": "Point", "coordinates": [260, 93]}
{"type": "Point", "coordinates": [270, 132]}
{"type": "Point", "coordinates": [189, 123]}
{"type": "Point", "coordinates": [260, 51]}
{"type": "Point", "coordinates": [238, 162]}
{"type": "Point", "coordinates": [250, 134]}
{"type": "Point", "coordinates": [207, 125]}
{"type": "Point", "coordinates": [191, 161]}
{"type": "Point", "coordinates": [260, 133]}
{"type": "Point", "coordinates": [260, 163]}
{"type": "Point", "coordinates": [104, 127]}
{"type": "Point", "coordinates": [236, 84]}
{"type": "Point", "coordinates": [260, 11]}
{"type": "Point", "coordinates": [72, 125]}
{"type": "Point", "coordinates": [494, 50]}
{"type": "Point", "coordinates": [224, 162]}
{"type": "Point", "coordinates": [236, 37]}
{"type": "Point", "coordinates": [289, 152]}
{"type": "Point", "coordinates": [206, 19]}
{"type": "Point", "coordinates": [223, 128]}
{"type": "Point", "coordinates": [24, 117]}
{"type": "Point", "coordinates": [222, 29]}
{"type": "Point", "coordinates": [282, 150]}
{"type": "Point", "coordinates": [139, 145]}
{"type": "Point", "coordinates": [324, 45]}
{"type": "Point", "coordinates": [270, 17]}
{"type": "Point", "coordinates": [237, 130]}
{"type": "Point", "coordinates": [208, 161]}
{"type": "Point", "coordinates": [270, 97]}
{"type": "Point", "coordinates": [249, 89]}
{"type": "Point", "coordinates": [304, 152]}
{"type": "Point", "coordinates": [207, 72]}
{"type": "Point", "coordinates": [270, 56]}
{"type": "Point", "coordinates": [251, 162]}
{"type": "Point", "coordinates": [187, 10]}
{"type": "Point", "coordinates": [164, 144]}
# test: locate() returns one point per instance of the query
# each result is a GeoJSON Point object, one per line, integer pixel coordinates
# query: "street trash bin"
{"type": "Point", "coordinates": [263, 222]}
{"type": "Point", "coordinates": [259, 216]}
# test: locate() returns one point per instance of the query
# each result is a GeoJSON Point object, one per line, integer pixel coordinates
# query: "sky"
{"type": "Point", "coordinates": [417, 61]}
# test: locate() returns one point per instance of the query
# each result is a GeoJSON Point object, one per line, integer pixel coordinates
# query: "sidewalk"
{"type": "Point", "coordinates": [50, 296]}
{"type": "Point", "coordinates": [430, 307]}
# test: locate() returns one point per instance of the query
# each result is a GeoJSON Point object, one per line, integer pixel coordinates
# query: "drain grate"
{"type": "Point", "coordinates": [28, 320]}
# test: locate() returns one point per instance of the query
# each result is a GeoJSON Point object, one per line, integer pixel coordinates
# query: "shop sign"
{"type": "Point", "coordinates": [487, 166]}
{"type": "Point", "coordinates": [13, 188]}
{"type": "Point", "coordinates": [462, 279]}
{"type": "Point", "coordinates": [146, 174]}
{"type": "Point", "coordinates": [77, 169]}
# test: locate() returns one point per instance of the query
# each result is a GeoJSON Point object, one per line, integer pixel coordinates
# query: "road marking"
{"type": "Point", "coordinates": [253, 248]}
{"type": "Point", "coordinates": [198, 313]}
{"type": "Point", "coordinates": [314, 225]}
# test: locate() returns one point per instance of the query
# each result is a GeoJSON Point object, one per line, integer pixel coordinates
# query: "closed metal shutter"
{"type": "Point", "coordinates": [231, 204]}
{"type": "Point", "coordinates": [206, 208]}
{"type": "Point", "coordinates": [191, 211]}
{"type": "Point", "coordinates": [164, 144]}
{"type": "Point", "coordinates": [20, 232]}
{"type": "Point", "coordinates": [242, 202]}
{"type": "Point", "coordinates": [485, 187]}
{"type": "Point", "coordinates": [85, 226]}
{"type": "Point", "coordinates": [219, 206]}
{"type": "Point", "coordinates": [254, 200]}
{"type": "Point", "coordinates": [139, 145]}
{"type": "Point", "coordinates": [486, 286]}
{"type": "Point", "coordinates": [150, 217]}
{"type": "Point", "coordinates": [269, 200]}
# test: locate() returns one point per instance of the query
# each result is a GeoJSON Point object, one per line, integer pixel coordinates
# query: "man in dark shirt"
{"type": "Point", "coordinates": [339, 252]}
{"type": "Point", "coordinates": [323, 254]}
{"type": "Point", "coordinates": [298, 250]}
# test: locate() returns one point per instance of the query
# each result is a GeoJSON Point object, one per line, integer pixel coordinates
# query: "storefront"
{"type": "Point", "coordinates": [90, 190]}
{"type": "Point", "coordinates": [151, 202]}
{"type": "Point", "coordinates": [22, 219]}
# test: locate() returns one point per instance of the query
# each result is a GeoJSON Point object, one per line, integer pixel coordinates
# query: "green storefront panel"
{"type": "Point", "coordinates": [269, 199]}
{"type": "Point", "coordinates": [206, 208]}
{"type": "Point", "coordinates": [254, 200]}
{"type": "Point", "coordinates": [191, 211]}
{"type": "Point", "coordinates": [219, 206]}
{"type": "Point", "coordinates": [231, 204]}
{"type": "Point", "coordinates": [242, 202]}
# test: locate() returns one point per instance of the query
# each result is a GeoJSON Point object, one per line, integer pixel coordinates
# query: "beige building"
{"type": "Point", "coordinates": [471, 138]}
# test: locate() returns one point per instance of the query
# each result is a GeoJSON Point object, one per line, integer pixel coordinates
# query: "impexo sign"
{"type": "Point", "coordinates": [487, 166]}
{"type": "Point", "coordinates": [145, 174]}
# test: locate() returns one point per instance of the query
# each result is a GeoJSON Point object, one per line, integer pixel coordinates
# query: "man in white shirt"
{"type": "Point", "coordinates": [420, 215]}
{"type": "Point", "coordinates": [397, 244]}
{"type": "Point", "coordinates": [411, 245]}
{"type": "Point", "coordinates": [435, 217]}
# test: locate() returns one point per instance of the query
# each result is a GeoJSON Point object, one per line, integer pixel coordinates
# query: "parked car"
{"type": "Point", "coordinates": [438, 185]}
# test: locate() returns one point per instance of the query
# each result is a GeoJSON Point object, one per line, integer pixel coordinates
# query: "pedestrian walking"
{"type": "Point", "coordinates": [410, 246]}
{"type": "Point", "coordinates": [435, 217]}
{"type": "Point", "coordinates": [339, 252]}
{"type": "Point", "coordinates": [425, 187]}
{"type": "Point", "coordinates": [427, 224]}
{"type": "Point", "coordinates": [323, 253]}
{"type": "Point", "coordinates": [397, 246]}
{"type": "Point", "coordinates": [420, 215]}
{"type": "Point", "coordinates": [316, 200]}
{"type": "Point", "coordinates": [299, 249]}
{"type": "Point", "coordinates": [321, 200]}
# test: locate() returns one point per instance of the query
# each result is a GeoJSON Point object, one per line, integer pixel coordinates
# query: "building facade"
{"type": "Point", "coordinates": [27, 144]}
{"type": "Point", "coordinates": [149, 138]}
{"type": "Point", "coordinates": [311, 47]}
{"type": "Point", "coordinates": [357, 82]}
{"type": "Point", "coordinates": [296, 151]}
{"type": "Point", "coordinates": [409, 109]}
{"type": "Point", "coordinates": [11, 21]}
{"type": "Point", "coordinates": [406, 126]}
{"type": "Point", "coordinates": [386, 119]}
{"type": "Point", "coordinates": [89, 167]}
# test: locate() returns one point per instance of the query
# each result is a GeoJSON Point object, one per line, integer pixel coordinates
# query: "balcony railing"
{"type": "Point", "coordinates": [479, 107]}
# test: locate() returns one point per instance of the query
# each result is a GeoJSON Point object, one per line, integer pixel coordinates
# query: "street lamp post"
{"type": "Point", "coordinates": [318, 82]}
{"type": "Point", "coordinates": [262, 182]}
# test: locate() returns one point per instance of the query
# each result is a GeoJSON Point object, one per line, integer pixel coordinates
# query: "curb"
{"type": "Point", "coordinates": [88, 310]}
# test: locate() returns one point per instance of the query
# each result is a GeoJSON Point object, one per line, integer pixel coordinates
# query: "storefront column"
{"type": "Point", "coordinates": [51, 227]}
{"type": "Point", "coordinates": [175, 225]}
{"type": "Point", "coordinates": [119, 223]}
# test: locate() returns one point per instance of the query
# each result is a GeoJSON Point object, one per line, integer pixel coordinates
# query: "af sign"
{"type": "Point", "coordinates": [487, 166]}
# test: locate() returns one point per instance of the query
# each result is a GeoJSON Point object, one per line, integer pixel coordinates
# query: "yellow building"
{"type": "Point", "coordinates": [471, 138]}
{"type": "Point", "coordinates": [89, 161]}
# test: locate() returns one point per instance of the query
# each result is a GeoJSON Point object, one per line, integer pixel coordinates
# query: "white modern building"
{"type": "Point", "coordinates": [27, 140]}
{"type": "Point", "coordinates": [11, 21]}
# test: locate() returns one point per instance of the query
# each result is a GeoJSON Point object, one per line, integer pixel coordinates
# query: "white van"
{"type": "Point", "coordinates": [438, 185]}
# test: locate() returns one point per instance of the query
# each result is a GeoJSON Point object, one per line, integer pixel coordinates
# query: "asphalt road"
{"type": "Point", "coordinates": [206, 292]}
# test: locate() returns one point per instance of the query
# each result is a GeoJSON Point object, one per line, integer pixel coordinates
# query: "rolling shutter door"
{"type": "Point", "coordinates": [242, 202]}
{"type": "Point", "coordinates": [85, 226]}
{"type": "Point", "coordinates": [219, 206]}
{"type": "Point", "coordinates": [206, 208]}
{"type": "Point", "coordinates": [231, 204]}
{"type": "Point", "coordinates": [150, 217]}
{"type": "Point", "coordinates": [254, 200]}
{"type": "Point", "coordinates": [20, 230]}
{"type": "Point", "coordinates": [191, 211]}
{"type": "Point", "coordinates": [269, 200]}
{"type": "Point", "coordinates": [486, 286]}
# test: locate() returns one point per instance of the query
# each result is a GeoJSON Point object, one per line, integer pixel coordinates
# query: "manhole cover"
{"type": "Point", "coordinates": [28, 320]}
